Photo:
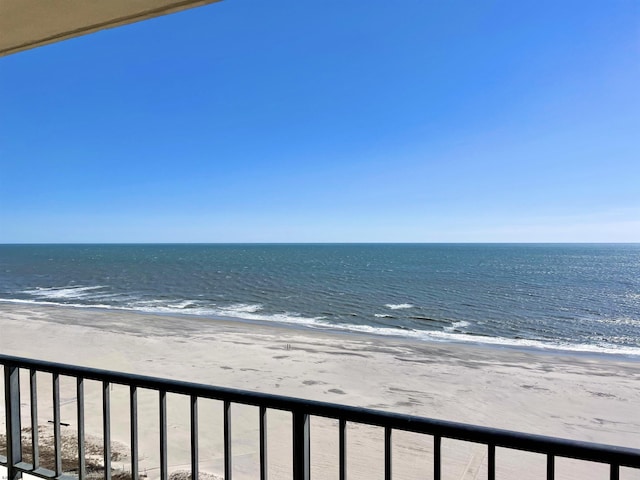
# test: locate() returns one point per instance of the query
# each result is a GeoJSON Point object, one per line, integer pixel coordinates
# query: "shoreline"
{"type": "Point", "coordinates": [541, 349]}
{"type": "Point", "coordinates": [580, 397]}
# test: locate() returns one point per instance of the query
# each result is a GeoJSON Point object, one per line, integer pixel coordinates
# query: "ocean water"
{"type": "Point", "coordinates": [568, 297]}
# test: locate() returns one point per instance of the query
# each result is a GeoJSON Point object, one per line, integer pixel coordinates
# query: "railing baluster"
{"type": "Point", "coordinates": [342, 445]}
{"type": "Point", "coordinates": [106, 429]}
{"type": "Point", "coordinates": [33, 396]}
{"type": "Point", "coordinates": [437, 457]}
{"type": "Point", "coordinates": [12, 414]}
{"type": "Point", "coordinates": [57, 440]}
{"type": "Point", "coordinates": [301, 446]}
{"type": "Point", "coordinates": [163, 435]}
{"type": "Point", "coordinates": [491, 467]}
{"type": "Point", "coordinates": [227, 440]}
{"type": "Point", "coordinates": [194, 437]}
{"type": "Point", "coordinates": [80, 407]}
{"type": "Point", "coordinates": [133, 422]}
{"type": "Point", "coordinates": [387, 453]}
{"type": "Point", "coordinates": [551, 468]}
{"type": "Point", "coordinates": [614, 472]}
{"type": "Point", "coordinates": [264, 471]}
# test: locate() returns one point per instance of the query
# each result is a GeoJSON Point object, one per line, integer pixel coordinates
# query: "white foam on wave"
{"type": "Point", "coordinates": [288, 317]}
{"type": "Point", "coordinates": [398, 306]}
{"type": "Point", "coordinates": [239, 311]}
{"type": "Point", "coordinates": [62, 292]}
{"type": "Point", "coordinates": [382, 315]}
{"type": "Point", "coordinates": [456, 326]}
{"type": "Point", "coordinates": [182, 305]}
{"type": "Point", "coordinates": [58, 304]}
{"type": "Point", "coordinates": [243, 311]}
{"type": "Point", "coordinates": [242, 308]}
{"type": "Point", "coordinates": [445, 336]}
{"type": "Point", "coordinates": [521, 342]}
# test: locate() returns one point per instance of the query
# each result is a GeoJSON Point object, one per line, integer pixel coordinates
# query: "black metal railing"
{"type": "Point", "coordinates": [301, 411]}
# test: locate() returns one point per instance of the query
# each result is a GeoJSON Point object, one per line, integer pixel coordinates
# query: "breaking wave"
{"type": "Point", "coordinates": [399, 306]}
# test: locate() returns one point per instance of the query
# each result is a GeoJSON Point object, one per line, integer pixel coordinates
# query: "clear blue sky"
{"type": "Point", "coordinates": [330, 121]}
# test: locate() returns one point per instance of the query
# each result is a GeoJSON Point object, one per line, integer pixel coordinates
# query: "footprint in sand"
{"type": "Point", "coordinates": [337, 390]}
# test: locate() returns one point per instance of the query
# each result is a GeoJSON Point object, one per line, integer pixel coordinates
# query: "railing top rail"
{"type": "Point", "coordinates": [622, 456]}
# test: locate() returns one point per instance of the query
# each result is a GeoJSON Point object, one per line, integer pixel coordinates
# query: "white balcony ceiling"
{"type": "Point", "coordinates": [26, 24]}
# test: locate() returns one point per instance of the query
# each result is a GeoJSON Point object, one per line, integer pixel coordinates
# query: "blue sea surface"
{"type": "Point", "coordinates": [582, 297]}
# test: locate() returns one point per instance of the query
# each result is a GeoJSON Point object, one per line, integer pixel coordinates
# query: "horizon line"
{"type": "Point", "coordinates": [327, 243]}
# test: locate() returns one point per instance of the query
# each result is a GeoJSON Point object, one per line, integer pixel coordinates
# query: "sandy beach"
{"type": "Point", "coordinates": [583, 397]}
